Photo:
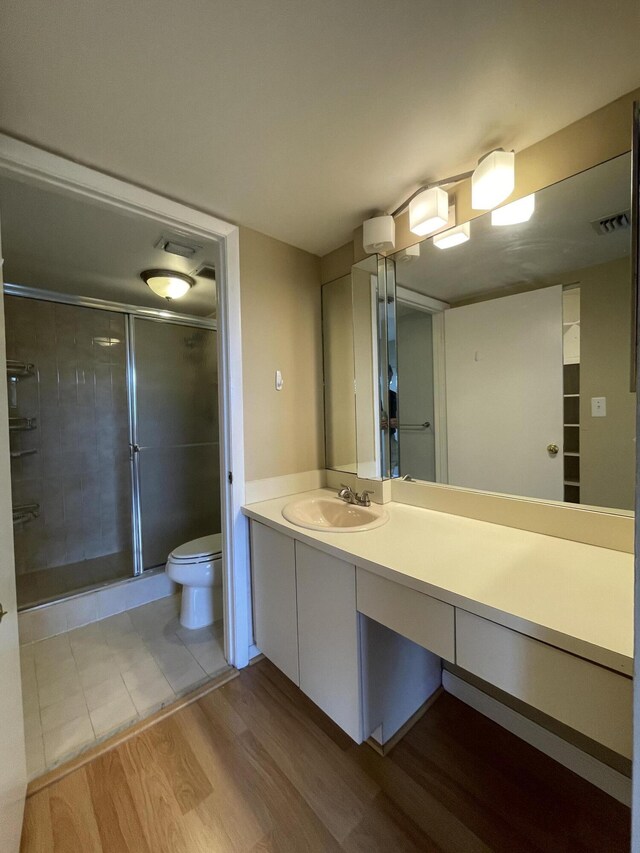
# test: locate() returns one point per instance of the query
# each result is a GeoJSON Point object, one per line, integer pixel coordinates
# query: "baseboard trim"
{"type": "Point", "coordinates": [385, 748]}
{"type": "Point", "coordinates": [126, 734]}
{"type": "Point", "coordinates": [602, 776]}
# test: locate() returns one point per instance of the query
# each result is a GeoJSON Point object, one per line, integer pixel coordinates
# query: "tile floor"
{"type": "Point", "coordinates": [86, 684]}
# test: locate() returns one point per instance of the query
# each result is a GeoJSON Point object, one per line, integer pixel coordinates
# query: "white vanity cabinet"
{"type": "Point", "coordinates": [369, 680]}
{"type": "Point", "coordinates": [305, 621]}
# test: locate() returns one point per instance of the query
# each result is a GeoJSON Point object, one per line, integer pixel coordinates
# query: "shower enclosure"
{"type": "Point", "coordinates": [114, 439]}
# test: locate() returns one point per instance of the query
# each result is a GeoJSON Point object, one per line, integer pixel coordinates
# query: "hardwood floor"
{"type": "Point", "coordinates": [254, 766]}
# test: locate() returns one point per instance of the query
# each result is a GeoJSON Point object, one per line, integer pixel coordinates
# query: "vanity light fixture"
{"type": "Point", "coordinates": [379, 234]}
{"type": "Point", "coordinates": [453, 237]}
{"type": "Point", "coordinates": [167, 283]}
{"type": "Point", "coordinates": [493, 180]}
{"type": "Point", "coordinates": [428, 211]}
{"type": "Point", "coordinates": [516, 212]}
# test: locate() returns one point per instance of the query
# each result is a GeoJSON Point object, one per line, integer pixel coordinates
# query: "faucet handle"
{"type": "Point", "coordinates": [363, 498]}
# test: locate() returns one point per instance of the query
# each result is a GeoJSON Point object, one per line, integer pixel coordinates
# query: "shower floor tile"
{"type": "Point", "coordinates": [82, 686]}
{"type": "Point", "coordinates": [49, 584]}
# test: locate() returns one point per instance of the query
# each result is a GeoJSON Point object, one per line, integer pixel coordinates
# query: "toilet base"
{"type": "Point", "coordinates": [196, 610]}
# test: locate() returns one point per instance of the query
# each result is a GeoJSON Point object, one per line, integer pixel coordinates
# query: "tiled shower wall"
{"type": "Point", "coordinates": [80, 474]}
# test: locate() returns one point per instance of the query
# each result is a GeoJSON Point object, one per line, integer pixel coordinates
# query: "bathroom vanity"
{"type": "Point", "coordinates": [362, 621]}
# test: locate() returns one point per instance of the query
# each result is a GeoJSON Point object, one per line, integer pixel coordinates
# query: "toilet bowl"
{"type": "Point", "coordinates": [197, 566]}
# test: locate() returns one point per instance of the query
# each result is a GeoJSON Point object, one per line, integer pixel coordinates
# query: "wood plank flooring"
{"type": "Point", "coordinates": [255, 767]}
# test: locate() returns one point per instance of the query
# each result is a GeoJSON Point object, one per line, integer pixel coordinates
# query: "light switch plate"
{"type": "Point", "coordinates": [598, 407]}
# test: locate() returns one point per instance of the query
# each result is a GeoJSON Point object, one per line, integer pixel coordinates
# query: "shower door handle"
{"type": "Point", "coordinates": [133, 449]}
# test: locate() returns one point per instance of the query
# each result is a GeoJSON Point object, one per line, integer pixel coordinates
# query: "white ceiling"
{"type": "Point", "coordinates": [69, 244]}
{"type": "Point", "coordinates": [558, 239]}
{"type": "Point", "coordinates": [300, 118]}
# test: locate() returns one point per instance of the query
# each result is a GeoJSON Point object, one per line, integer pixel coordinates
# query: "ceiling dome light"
{"type": "Point", "coordinates": [167, 283]}
{"type": "Point", "coordinates": [453, 237]}
{"type": "Point", "coordinates": [493, 180]}
{"type": "Point", "coordinates": [428, 211]}
{"type": "Point", "coordinates": [516, 212]}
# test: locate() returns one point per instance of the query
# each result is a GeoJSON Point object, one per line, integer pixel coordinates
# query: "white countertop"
{"type": "Point", "coordinates": [574, 596]}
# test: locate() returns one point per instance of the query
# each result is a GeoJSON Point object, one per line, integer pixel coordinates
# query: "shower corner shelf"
{"type": "Point", "coordinates": [19, 369]}
{"type": "Point", "coordinates": [24, 513]}
{"type": "Point", "coordinates": [21, 424]}
{"type": "Point", "coordinates": [18, 454]}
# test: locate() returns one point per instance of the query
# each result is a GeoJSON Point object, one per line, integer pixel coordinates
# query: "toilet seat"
{"type": "Point", "coordinates": [198, 550]}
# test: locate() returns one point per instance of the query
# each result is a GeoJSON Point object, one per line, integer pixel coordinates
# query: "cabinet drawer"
{"type": "Point", "coordinates": [419, 617]}
{"type": "Point", "coordinates": [587, 697]}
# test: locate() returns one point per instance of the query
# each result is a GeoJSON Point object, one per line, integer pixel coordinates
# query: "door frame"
{"type": "Point", "coordinates": [30, 164]}
{"type": "Point", "coordinates": [435, 307]}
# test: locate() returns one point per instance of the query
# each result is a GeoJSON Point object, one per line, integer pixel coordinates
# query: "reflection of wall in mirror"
{"type": "Point", "coordinates": [338, 350]}
{"type": "Point", "coordinates": [607, 448]}
{"type": "Point", "coordinates": [416, 405]}
{"type": "Point", "coordinates": [364, 361]}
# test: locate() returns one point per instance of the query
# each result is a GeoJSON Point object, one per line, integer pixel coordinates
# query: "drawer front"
{"type": "Point", "coordinates": [587, 697]}
{"type": "Point", "coordinates": [419, 617]}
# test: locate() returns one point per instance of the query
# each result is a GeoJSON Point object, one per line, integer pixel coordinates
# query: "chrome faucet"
{"type": "Point", "coordinates": [347, 494]}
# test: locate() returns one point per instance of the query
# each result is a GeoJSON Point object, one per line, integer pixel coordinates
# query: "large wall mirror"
{"type": "Point", "coordinates": [514, 349]}
{"type": "Point", "coordinates": [500, 364]}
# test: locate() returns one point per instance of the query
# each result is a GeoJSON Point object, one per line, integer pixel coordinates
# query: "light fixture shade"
{"type": "Point", "coordinates": [167, 283]}
{"type": "Point", "coordinates": [493, 180]}
{"type": "Point", "coordinates": [516, 212]}
{"type": "Point", "coordinates": [379, 234]}
{"type": "Point", "coordinates": [428, 211]}
{"type": "Point", "coordinates": [453, 237]}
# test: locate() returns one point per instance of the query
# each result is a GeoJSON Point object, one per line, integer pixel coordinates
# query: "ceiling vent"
{"type": "Point", "coordinates": [616, 222]}
{"type": "Point", "coordinates": [206, 271]}
{"type": "Point", "coordinates": [174, 247]}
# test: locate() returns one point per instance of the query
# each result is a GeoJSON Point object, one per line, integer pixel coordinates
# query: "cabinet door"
{"type": "Point", "coordinates": [273, 570]}
{"type": "Point", "coordinates": [328, 637]}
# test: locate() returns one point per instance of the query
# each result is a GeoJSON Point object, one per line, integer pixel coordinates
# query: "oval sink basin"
{"type": "Point", "coordinates": [334, 515]}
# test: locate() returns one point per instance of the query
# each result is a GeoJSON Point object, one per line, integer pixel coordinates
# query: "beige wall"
{"type": "Point", "coordinates": [585, 143]}
{"type": "Point", "coordinates": [280, 301]}
{"type": "Point", "coordinates": [607, 449]}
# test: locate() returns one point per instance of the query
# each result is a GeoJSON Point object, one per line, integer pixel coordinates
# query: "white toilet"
{"type": "Point", "coordinates": [197, 566]}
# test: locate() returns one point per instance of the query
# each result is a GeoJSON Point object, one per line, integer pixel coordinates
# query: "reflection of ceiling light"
{"type": "Point", "coordinates": [428, 211]}
{"type": "Point", "coordinates": [516, 212]}
{"type": "Point", "coordinates": [106, 342]}
{"type": "Point", "coordinates": [407, 255]}
{"type": "Point", "coordinates": [452, 237]}
{"type": "Point", "coordinates": [167, 283]}
{"type": "Point", "coordinates": [493, 180]}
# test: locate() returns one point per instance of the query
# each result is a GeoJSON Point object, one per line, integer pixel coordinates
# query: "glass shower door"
{"type": "Point", "coordinates": [174, 435]}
